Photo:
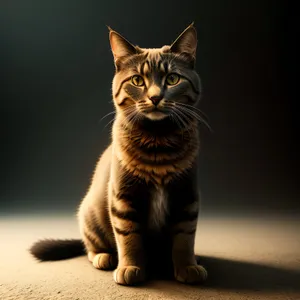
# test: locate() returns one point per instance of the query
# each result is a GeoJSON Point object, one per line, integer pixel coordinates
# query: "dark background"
{"type": "Point", "coordinates": [57, 68]}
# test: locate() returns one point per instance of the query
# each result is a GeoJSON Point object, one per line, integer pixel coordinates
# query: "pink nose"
{"type": "Point", "coordinates": [156, 99]}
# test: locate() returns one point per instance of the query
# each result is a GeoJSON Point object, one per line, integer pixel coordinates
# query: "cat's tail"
{"type": "Point", "coordinates": [49, 249]}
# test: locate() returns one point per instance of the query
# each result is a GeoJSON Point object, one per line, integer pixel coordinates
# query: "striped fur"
{"type": "Point", "coordinates": [142, 206]}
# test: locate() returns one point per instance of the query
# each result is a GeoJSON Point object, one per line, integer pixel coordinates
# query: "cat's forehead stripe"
{"type": "Point", "coordinates": [155, 62]}
{"type": "Point", "coordinates": [146, 68]}
{"type": "Point", "coordinates": [141, 68]}
{"type": "Point", "coordinates": [161, 66]}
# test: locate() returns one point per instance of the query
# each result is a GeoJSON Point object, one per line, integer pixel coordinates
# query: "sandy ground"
{"type": "Point", "coordinates": [246, 258]}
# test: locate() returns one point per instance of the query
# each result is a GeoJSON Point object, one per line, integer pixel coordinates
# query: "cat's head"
{"type": "Point", "coordinates": [156, 83]}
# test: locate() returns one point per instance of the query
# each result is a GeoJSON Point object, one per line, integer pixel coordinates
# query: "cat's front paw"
{"type": "Point", "coordinates": [190, 274]}
{"type": "Point", "coordinates": [129, 275]}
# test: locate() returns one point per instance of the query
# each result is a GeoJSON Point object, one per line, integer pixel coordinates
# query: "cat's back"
{"type": "Point", "coordinates": [98, 189]}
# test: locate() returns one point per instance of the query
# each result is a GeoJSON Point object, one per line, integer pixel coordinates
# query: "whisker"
{"type": "Point", "coordinates": [109, 122]}
{"type": "Point", "coordinates": [110, 113]}
{"type": "Point", "coordinates": [175, 118]}
{"type": "Point", "coordinates": [196, 116]}
{"type": "Point", "coordinates": [185, 124]}
{"type": "Point", "coordinates": [179, 112]}
{"type": "Point", "coordinates": [193, 107]}
{"type": "Point", "coordinates": [136, 117]}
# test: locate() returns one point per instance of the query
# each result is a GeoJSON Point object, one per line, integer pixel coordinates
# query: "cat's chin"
{"type": "Point", "coordinates": [156, 115]}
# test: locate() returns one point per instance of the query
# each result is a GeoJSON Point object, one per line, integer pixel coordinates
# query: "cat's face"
{"type": "Point", "coordinates": [155, 83]}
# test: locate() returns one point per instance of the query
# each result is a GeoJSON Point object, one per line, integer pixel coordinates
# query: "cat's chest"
{"type": "Point", "coordinates": [158, 209]}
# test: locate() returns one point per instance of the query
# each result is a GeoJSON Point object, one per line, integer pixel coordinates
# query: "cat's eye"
{"type": "Point", "coordinates": [172, 79]}
{"type": "Point", "coordinates": [137, 80]}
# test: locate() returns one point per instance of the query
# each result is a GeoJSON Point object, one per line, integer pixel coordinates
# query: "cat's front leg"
{"type": "Point", "coordinates": [128, 234]}
{"type": "Point", "coordinates": [186, 269]}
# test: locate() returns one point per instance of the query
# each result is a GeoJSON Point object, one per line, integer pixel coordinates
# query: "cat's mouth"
{"type": "Point", "coordinates": [155, 114]}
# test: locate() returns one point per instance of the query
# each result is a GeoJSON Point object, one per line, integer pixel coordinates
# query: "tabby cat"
{"type": "Point", "coordinates": [140, 212]}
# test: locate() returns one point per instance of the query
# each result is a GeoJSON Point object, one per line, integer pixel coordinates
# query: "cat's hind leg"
{"type": "Point", "coordinates": [99, 244]}
{"type": "Point", "coordinates": [98, 237]}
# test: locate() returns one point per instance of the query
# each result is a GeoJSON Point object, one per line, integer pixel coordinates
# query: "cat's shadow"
{"type": "Point", "coordinates": [237, 275]}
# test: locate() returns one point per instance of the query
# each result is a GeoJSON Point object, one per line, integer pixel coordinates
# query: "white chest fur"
{"type": "Point", "coordinates": [158, 208]}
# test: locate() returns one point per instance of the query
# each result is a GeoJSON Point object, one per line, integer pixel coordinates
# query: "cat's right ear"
{"type": "Point", "coordinates": [120, 47]}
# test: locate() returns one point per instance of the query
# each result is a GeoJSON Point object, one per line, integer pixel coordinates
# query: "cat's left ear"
{"type": "Point", "coordinates": [120, 47]}
{"type": "Point", "coordinates": [186, 43]}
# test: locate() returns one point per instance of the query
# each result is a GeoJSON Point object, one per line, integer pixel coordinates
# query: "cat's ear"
{"type": "Point", "coordinates": [186, 43]}
{"type": "Point", "coordinates": [120, 47]}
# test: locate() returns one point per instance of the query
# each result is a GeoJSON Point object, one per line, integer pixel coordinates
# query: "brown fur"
{"type": "Point", "coordinates": [142, 206]}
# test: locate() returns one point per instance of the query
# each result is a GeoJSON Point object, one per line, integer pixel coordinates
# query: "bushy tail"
{"type": "Point", "coordinates": [49, 249]}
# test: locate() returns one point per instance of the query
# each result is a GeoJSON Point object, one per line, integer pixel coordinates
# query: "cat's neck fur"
{"type": "Point", "coordinates": [155, 154]}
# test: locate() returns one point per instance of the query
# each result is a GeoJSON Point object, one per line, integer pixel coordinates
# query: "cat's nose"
{"type": "Point", "coordinates": [156, 99]}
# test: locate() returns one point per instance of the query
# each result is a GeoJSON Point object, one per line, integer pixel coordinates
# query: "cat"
{"type": "Point", "coordinates": [141, 210]}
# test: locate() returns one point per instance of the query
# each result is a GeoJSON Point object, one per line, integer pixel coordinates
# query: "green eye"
{"type": "Point", "coordinates": [172, 79]}
{"type": "Point", "coordinates": [137, 80]}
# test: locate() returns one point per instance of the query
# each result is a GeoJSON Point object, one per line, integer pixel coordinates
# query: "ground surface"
{"type": "Point", "coordinates": [257, 257]}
